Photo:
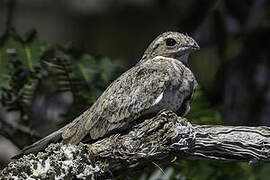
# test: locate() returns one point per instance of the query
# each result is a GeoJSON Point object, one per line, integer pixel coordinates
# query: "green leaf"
{"type": "Point", "coordinates": [86, 68]}
{"type": "Point", "coordinates": [107, 68]}
{"type": "Point", "coordinates": [201, 111]}
{"type": "Point", "coordinates": [28, 49]}
{"type": "Point", "coordinates": [33, 50]}
{"type": "Point", "coordinates": [5, 64]}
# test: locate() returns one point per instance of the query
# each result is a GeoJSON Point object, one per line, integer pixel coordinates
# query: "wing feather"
{"type": "Point", "coordinates": [129, 97]}
{"type": "Point", "coordinates": [134, 93]}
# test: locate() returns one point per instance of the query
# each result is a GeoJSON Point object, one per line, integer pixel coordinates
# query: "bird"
{"type": "Point", "coordinates": [160, 80]}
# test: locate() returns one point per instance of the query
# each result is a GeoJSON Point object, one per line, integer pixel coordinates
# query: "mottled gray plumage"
{"type": "Point", "coordinates": [160, 80]}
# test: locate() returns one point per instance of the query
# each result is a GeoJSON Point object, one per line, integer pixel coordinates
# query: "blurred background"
{"type": "Point", "coordinates": [110, 36]}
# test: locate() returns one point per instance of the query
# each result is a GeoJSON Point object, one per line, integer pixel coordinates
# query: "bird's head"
{"type": "Point", "coordinates": [171, 44]}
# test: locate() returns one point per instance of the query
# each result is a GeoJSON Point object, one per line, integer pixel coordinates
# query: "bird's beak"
{"type": "Point", "coordinates": [189, 46]}
{"type": "Point", "coordinates": [195, 46]}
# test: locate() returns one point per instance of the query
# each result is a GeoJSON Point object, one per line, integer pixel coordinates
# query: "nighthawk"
{"type": "Point", "coordinates": [160, 80]}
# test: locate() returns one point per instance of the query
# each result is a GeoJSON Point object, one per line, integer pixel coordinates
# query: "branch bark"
{"type": "Point", "coordinates": [160, 139]}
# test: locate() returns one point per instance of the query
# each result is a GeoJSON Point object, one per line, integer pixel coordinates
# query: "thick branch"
{"type": "Point", "coordinates": [160, 139]}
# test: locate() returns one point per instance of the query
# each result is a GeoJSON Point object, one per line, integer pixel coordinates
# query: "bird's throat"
{"type": "Point", "coordinates": [184, 58]}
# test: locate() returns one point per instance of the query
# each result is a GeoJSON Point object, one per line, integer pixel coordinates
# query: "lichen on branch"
{"type": "Point", "coordinates": [159, 139]}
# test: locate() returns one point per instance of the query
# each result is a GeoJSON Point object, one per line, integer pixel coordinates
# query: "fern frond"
{"type": "Point", "coordinates": [60, 70]}
{"type": "Point", "coordinates": [28, 93]}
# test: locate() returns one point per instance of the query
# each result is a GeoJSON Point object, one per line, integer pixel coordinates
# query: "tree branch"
{"type": "Point", "coordinates": [160, 140]}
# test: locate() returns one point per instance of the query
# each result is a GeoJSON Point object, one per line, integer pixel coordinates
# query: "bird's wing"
{"type": "Point", "coordinates": [128, 97]}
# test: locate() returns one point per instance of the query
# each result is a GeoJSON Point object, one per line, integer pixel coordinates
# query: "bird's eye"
{"type": "Point", "coordinates": [170, 42]}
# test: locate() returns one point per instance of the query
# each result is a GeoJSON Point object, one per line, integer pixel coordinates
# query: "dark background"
{"type": "Point", "coordinates": [232, 66]}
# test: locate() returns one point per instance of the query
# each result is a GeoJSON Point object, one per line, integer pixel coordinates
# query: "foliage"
{"type": "Point", "coordinates": [214, 170]}
{"type": "Point", "coordinates": [30, 69]}
{"type": "Point", "coordinates": [201, 111]}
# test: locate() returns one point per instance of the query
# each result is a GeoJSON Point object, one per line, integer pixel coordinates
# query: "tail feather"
{"type": "Point", "coordinates": [77, 129]}
{"type": "Point", "coordinates": [72, 133]}
{"type": "Point", "coordinates": [41, 144]}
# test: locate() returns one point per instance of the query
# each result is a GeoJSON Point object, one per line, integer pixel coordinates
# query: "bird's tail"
{"type": "Point", "coordinates": [41, 144]}
{"type": "Point", "coordinates": [76, 130]}
{"type": "Point", "coordinates": [72, 133]}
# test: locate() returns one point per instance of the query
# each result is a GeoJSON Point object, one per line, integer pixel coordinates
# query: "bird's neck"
{"type": "Point", "coordinates": [184, 59]}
